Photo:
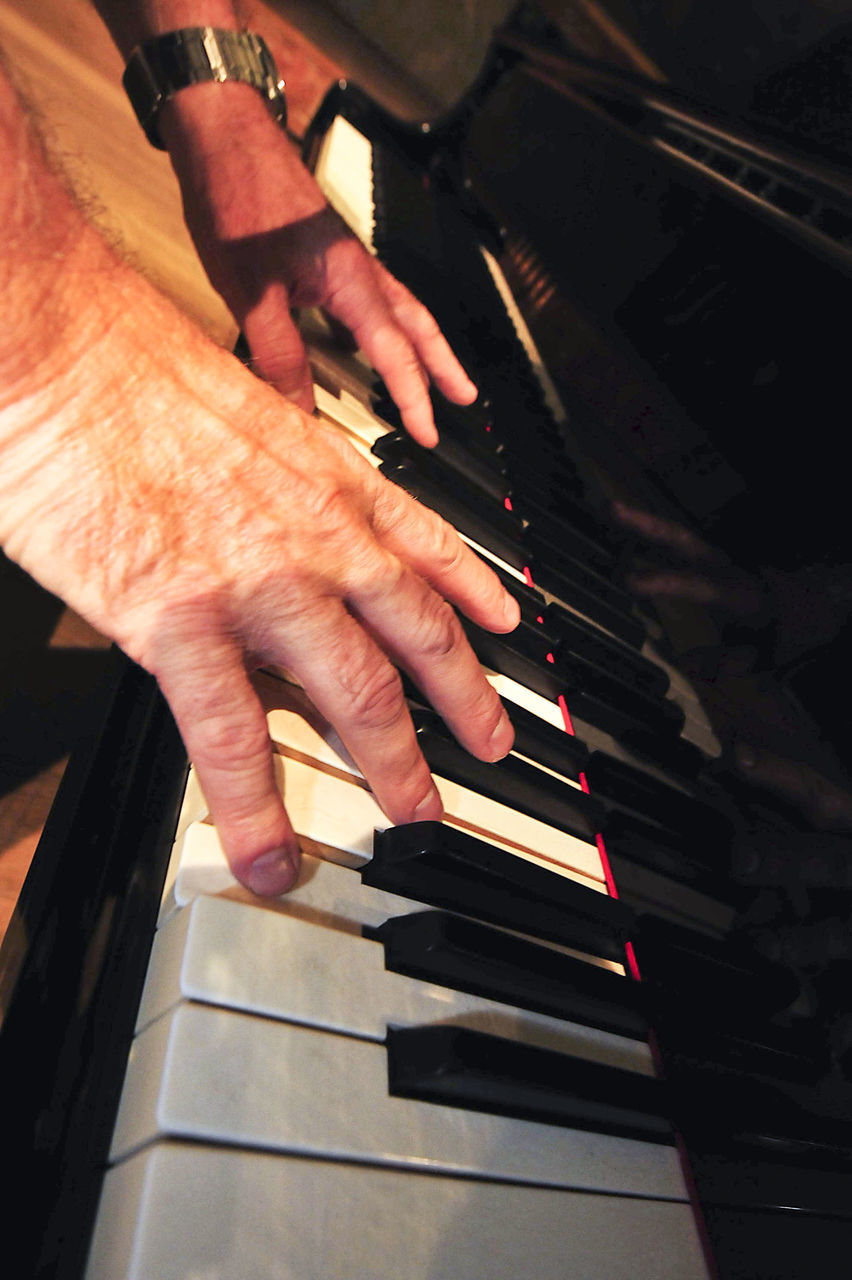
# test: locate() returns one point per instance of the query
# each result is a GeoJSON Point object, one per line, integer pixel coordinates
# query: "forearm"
{"type": "Point", "coordinates": [131, 22]}
{"type": "Point", "coordinates": [50, 261]}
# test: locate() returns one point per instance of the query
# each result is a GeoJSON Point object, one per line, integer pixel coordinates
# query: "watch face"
{"type": "Point", "coordinates": [161, 67]}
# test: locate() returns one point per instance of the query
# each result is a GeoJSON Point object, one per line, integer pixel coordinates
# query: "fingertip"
{"type": "Point", "coordinates": [430, 808]}
{"type": "Point", "coordinates": [273, 873]}
{"type": "Point", "coordinates": [466, 391]}
{"type": "Point", "coordinates": [502, 739]}
{"type": "Point", "coordinates": [420, 425]}
{"type": "Point", "coordinates": [511, 613]}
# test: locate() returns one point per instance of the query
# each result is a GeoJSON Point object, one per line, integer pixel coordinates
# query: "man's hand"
{"type": "Point", "coordinates": [269, 242]}
{"type": "Point", "coordinates": [208, 525]}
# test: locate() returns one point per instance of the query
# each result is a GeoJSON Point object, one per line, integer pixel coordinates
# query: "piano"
{"type": "Point", "coordinates": [530, 1037]}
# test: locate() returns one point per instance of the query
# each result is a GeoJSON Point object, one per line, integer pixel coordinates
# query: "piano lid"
{"type": "Point", "coordinates": [683, 271]}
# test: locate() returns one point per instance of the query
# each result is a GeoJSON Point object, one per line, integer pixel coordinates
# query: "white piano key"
{"type": "Point", "coordinates": [325, 891]}
{"type": "Point", "coordinates": [312, 739]}
{"type": "Point", "coordinates": [353, 417]}
{"type": "Point", "coordinates": [344, 172]}
{"type": "Point", "coordinates": [176, 1211]}
{"type": "Point", "coordinates": [264, 962]}
{"type": "Point", "coordinates": [531, 701]}
{"type": "Point", "coordinates": [215, 1075]}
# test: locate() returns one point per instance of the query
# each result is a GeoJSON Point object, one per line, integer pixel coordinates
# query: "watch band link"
{"type": "Point", "coordinates": [168, 63]}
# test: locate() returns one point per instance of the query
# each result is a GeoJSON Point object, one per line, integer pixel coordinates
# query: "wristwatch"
{"type": "Point", "coordinates": [160, 67]}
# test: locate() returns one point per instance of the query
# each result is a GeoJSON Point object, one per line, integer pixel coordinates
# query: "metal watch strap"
{"type": "Point", "coordinates": [167, 63]}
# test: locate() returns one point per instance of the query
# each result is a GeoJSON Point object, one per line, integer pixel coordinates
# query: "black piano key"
{"type": "Point", "coordinates": [700, 1038]}
{"type": "Point", "coordinates": [456, 465]}
{"type": "Point", "coordinates": [572, 567]}
{"type": "Point", "coordinates": [461, 1068]}
{"type": "Point", "coordinates": [442, 867]}
{"type": "Point", "coordinates": [626, 626]}
{"type": "Point", "coordinates": [685, 859]}
{"type": "Point", "coordinates": [574, 526]}
{"type": "Point", "coordinates": [465, 955]}
{"type": "Point", "coordinates": [725, 1179]}
{"type": "Point", "coordinates": [746, 1112]}
{"type": "Point", "coordinates": [465, 520]}
{"type": "Point", "coordinates": [511, 781]}
{"type": "Point", "coordinates": [673, 755]}
{"type": "Point", "coordinates": [590, 693]}
{"type": "Point", "coordinates": [604, 700]}
{"type": "Point", "coordinates": [510, 657]}
{"type": "Point", "coordinates": [691, 969]}
{"type": "Point", "coordinates": [577, 637]}
{"type": "Point", "coordinates": [531, 601]}
{"type": "Point", "coordinates": [431, 469]}
{"type": "Point", "coordinates": [634, 790]}
{"type": "Point", "coordinates": [545, 743]}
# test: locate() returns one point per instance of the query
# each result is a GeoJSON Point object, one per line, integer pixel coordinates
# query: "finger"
{"type": "Point", "coordinates": [360, 304]}
{"type": "Point", "coordinates": [356, 688]}
{"type": "Point", "coordinates": [431, 346]}
{"type": "Point", "coordinates": [432, 548]}
{"type": "Point", "coordinates": [422, 633]}
{"type": "Point", "coordinates": [225, 734]}
{"type": "Point", "coordinates": [278, 353]}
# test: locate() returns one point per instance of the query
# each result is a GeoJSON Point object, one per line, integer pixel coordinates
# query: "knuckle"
{"type": "Point", "coordinates": [238, 736]}
{"type": "Point", "coordinates": [328, 502]}
{"type": "Point", "coordinates": [438, 629]}
{"type": "Point", "coordinates": [376, 697]}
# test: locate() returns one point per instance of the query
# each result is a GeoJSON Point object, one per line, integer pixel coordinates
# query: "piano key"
{"type": "Point", "coordinates": [578, 637]}
{"type": "Point", "coordinates": [619, 784]}
{"type": "Point", "coordinates": [521, 695]}
{"type": "Point", "coordinates": [544, 745]}
{"type": "Point", "coordinates": [627, 627]}
{"type": "Point", "coordinates": [519, 784]}
{"type": "Point", "coordinates": [470, 522]}
{"type": "Point", "coordinates": [445, 867]}
{"type": "Point", "coordinates": [688, 967]}
{"type": "Point", "coordinates": [661, 892]}
{"type": "Point", "coordinates": [589, 692]}
{"type": "Point", "coordinates": [480, 469]}
{"type": "Point", "coordinates": [177, 1210]}
{"type": "Point", "coordinates": [236, 955]}
{"type": "Point", "coordinates": [430, 466]}
{"type": "Point", "coordinates": [684, 858]}
{"type": "Point", "coordinates": [209, 1074]}
{"type": "Point", "coordinates": [316, 742]}
{"type": "Point", "coordinates": [345, 151]}
{"type": "Point", "coordinates": [574, 568]}
{"type": "Point", "coordinates": [460, 1068]}
{"type": "Point", "coordinates": [570, 526]}
{"type": "Point", "coordinates": [469, 956]}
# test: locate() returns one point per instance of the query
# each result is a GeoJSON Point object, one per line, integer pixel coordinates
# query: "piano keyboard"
{"type": "Point", "coordinates": [263, 1041]}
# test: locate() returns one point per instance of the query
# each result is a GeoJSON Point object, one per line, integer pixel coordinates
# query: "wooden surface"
{"type": "Point", "coordinates": [64, 62]}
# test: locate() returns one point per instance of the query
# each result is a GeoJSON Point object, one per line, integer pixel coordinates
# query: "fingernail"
{"type": "Point", "coordinates": [501, 740]}
{"type": "Point", "coordinates": [430, 808]}
{"type": "Point", "coordinates": [272, 874]}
